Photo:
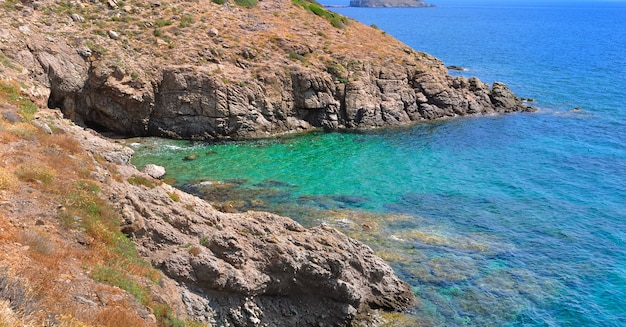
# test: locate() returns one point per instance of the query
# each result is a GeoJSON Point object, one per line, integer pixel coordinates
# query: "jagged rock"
{"type": "Point", "coordinates": [114, 35]}
{"type": "Point", "coordinates": [154, 171]}
{"type": "Point", "coordinates": [12, 116]}
{"type": "Point", "coordinates": [258, 269]}
{"type": "Point", "coordinates": [77, 18]}
{"type": "Point", "coordinates": [213, 32]}
{"type": "Point", "coordinates": [192, 102]}
{"type": "Point", "coordinates": [85, 52]}
{"type": "Point", "coordinates": [43, 127]}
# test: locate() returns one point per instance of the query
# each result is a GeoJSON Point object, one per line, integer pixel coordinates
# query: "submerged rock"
{"type": "Point", "coordinates": [191, 157]}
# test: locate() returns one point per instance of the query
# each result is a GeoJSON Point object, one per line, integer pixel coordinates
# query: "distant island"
{"type": "Point", "coordinates": [389, 3]}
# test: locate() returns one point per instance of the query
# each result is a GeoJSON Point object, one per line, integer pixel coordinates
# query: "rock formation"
{"type": "Point", "coordinates": [389, 3]}
{"type": "Point", "coordinates": [247, 269]}
{"type": "Point", "coordinates": [252, 89]}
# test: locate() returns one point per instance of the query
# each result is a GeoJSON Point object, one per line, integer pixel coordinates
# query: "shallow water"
{"type": "Point", "coordinates": [515, 220]}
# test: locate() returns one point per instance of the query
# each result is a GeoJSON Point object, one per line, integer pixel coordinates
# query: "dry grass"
{"type": "Point", "coordinates": [16, 292]}
{"type": "Point", "coordinates": [116, 317]}
{"type": "Point", "coordinates": [62, 142]}
{"type": "Point", "coordinates": [38, 242]}
{"type": "Point", "coordinates": [7, 179]}
{"type": "Point", "coordinates": [36, 172]}
{"type": "Point", "coordinates": [8, 317]}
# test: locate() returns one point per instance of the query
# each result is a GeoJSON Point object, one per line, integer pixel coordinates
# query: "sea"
{"type": "Point", "coordinates": [507, 220]}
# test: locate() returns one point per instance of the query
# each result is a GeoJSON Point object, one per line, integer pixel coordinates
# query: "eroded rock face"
{"type": "Point", "coordinates": [195, 102]}
{"type": "Point", "coordinates": [245, 269]}
{"type": "Point", "coordinates": [255, 268]}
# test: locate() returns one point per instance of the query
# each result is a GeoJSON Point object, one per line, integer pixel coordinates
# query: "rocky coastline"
{"type": "Point", "coordinates": [246, 269]}
{"type": "Point", "coordinates": [227, 269]}
{"type": "Point", "coordinates": [226, 91]}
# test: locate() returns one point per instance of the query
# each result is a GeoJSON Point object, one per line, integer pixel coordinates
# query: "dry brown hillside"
{"type": "Point", "coordinates": [63, 260]}
{"type": "Point", "coordinates": [196, 32]}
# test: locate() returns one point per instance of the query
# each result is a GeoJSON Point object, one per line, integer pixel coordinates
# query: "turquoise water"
{"type": "Point", "coordinates": [515, 220]}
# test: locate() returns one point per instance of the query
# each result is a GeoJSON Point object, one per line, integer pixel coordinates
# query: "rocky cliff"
{"type": "Point", "coordinates": [209, 71]}
{"type": "Point", "coordinates": [389, 3]}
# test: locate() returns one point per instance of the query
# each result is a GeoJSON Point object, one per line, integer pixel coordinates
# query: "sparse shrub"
{"type": "Point", "coordinates": [24, 131]}
{"type": "Point", "coordinates": [8, 63]}
{"type": "Point", "coordinates": [315, 7]}
{"type": "Point", "coordinates": [318, 10]}
{"type": "Point", "coordinates": [100, 32]}
{"type": "Point", "coordinates": [10, 4]}
{"type": "Point", "coordinates": [7, 179]}
{"type": "Point", "coordinates": [36, 172]}
{"type": "Point", "coordinates": [162, 22]}
{"type": "Point", "coordinates": [296, 56]}
{"type": "Point", "coordinates": [186, 21]}
{"type": "Point", "coordinates": [204, 241]}
{"type": "Point", "coordinates": [166, 317]}
{"type": "Point", "coordinates": [157, 32]}
{"type": "Point", "coordinates": [247, 3]}
{"type": "Point", "coordinates": [37, 242]}
{"type": "Point", "coordinates": [337, 22]}
{"type": "Point", "coordinates": [115, 316]}
{"type": "Point", "coordinates": [139, 180]}
{"type": "Point", "coordinates": [11, 92]}
{"type": "Point", "coordinates": [219, 2]}
{"type": "Point", "coordinates": [173, 196]}
{"type": "Point", "coordinates": [64, 142]}
{"type": "Point", "coordinates": [194, 251]}
{"type": "Point", "coordinates": [116, 277]}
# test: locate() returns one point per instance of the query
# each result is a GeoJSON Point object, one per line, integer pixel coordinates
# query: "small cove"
{"type": "Point", "coordinates": [513, 220]}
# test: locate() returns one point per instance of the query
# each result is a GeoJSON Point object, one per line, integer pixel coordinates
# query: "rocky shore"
{"type": "Point", "coordinates": [246, 269]}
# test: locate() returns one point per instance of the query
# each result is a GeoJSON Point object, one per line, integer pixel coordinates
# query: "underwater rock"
{"type": "Point", "coordinates": [191, 157]}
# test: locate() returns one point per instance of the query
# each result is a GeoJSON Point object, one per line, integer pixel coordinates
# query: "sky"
{"type": "Point", "coordinates": [474, 2]}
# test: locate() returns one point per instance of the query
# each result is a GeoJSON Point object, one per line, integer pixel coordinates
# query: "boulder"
{"type": "Point", "coordinates": [154, 171]}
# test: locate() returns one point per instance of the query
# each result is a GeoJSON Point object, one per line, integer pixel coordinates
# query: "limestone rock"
{"type": "Point", "coordinates": [154, 171]}
{"type": "Point", "coordinates": [77, 18]}
{"type": "Point", "coordinates": [114, 35]}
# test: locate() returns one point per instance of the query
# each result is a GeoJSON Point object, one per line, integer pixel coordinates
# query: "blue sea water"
{"type": "Point", "coordinates": [513, 220]}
